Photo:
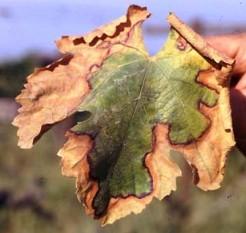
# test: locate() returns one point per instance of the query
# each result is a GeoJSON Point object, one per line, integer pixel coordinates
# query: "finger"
{"type": "Point", "coordinates": [238, 118]}
{"type": "Point", "coordinates": [233, 46]}
{"type": "Point", "coordinates": [241, 85]}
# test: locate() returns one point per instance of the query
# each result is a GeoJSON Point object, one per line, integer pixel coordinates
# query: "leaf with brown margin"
{"type": "Point", "coordinates": [108, 104]}
{"type": "Point", "coordinates": [136, 110]}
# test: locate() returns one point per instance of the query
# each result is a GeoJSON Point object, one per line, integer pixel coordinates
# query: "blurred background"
{"type": "Point", "coordinates": [34, 197]}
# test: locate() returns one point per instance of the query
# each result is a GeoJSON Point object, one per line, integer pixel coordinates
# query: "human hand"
{"type": "Point", "coordinates": [234, 46]}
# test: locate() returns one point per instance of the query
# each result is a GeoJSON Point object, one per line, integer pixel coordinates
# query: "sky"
{"type": "Point", "coordinates": [33, 25]}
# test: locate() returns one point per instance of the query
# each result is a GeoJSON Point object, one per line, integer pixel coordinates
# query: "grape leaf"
{"type": "Point", "coordinates": [133, 111]}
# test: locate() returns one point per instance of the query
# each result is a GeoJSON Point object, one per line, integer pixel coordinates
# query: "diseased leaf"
{"type": "Point", "coordinates": [134, 111]}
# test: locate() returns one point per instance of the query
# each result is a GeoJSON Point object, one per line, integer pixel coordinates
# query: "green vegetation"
{"type": "Point", "coordinates": [36, 198]}
{"type": "Point", "coordinates": [187, 211]}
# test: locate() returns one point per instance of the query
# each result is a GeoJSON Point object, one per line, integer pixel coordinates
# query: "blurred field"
{"type": "Point", "coordinates": [35, 198]}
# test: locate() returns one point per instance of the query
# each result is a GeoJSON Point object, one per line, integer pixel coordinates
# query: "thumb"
{"type": "Point", "coordinates": [233, 46]}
